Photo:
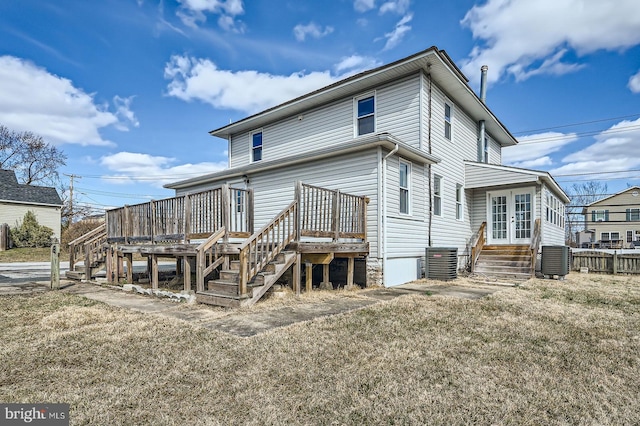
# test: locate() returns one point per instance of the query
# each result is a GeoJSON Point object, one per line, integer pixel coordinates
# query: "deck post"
{"type": "Point", "coordinates": [187, 218]}
{"type": "Point", "coordinates": [250, 211]}
{"type": "Point", "coordinates": [226, 210]}
{"type": "Point", "coordinates": [108, 264]}
{"type": "Point", "coordinates": [130, 268]}
{"type": "Point", "coordinates": [336, 216]}
{"type": "Point", "coordinates": [153, 221]}
{"type": "Point", "coordinates": [154, 271]}
{"type": "Point", "coordinates": [187, 274]}
{"type": "Point", "coordinates": [243, 274]}
{"type": "Point", "coordinates": [126, 225]}
{"type": "Point", "coordinates": [296, 274]}
{"type": "Point", "coordinates": [309, 277]}
{"type": "Point", "coordinates": [120, 267]}
{"type": "Point", "coordinates": [350, 268]}
{"type": "Point", "coordinates": [298, 198]}
{"type": "Point", "coordinates": [615, 262]}
{"type": "Point", "coordinates": [325, 275]}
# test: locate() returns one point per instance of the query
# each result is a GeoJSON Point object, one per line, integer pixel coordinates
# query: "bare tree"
{"type": "Point", "coordinates": [581, 195]}
{"type": "Point", "coordinates": [33, 159]}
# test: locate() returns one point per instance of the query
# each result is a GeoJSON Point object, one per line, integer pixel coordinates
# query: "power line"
{"type": "Point", "coordinates": [601, 120]}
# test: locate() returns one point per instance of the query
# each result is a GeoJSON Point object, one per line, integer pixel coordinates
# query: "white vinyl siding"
{"type": "Point", "coordinates": [397, 107]}
{"type": "Point", "coordinates": [13, 213]}
{"type": "Point", "coordinates": [273, 190]}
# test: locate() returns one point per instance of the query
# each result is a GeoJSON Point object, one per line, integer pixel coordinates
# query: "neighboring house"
{"type": "Point", "coordinates": [615, 220]}
{"type": "Point", "coordinates": [17, 199]}
{"type": "Point", "coordinates": [415, 139]}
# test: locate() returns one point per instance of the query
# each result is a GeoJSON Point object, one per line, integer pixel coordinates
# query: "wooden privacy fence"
{"type": "Point", "coordinates": [185, 217]}
{"type": "Point", "coordinates": [611, 263]}
{"type": "Point", "coordinates": [331, 213]}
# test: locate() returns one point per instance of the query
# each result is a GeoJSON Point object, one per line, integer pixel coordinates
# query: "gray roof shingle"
{"type": "Point", "coordinates": [11, 190]}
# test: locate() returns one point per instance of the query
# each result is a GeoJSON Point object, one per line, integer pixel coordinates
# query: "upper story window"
{"type": "Point", "coordinates": [486, 150]}
{"type": "Point", "coordinates": [633, 215]}
{"type": "Point", "coordinates": [437, 195]}
{"type": "Point", "coordinates": [405, 175]}
{"type": "Point", "coordinates": [459, 197]}
{"type": "Point", "coordinates": [600, 216]}
{"type": "Point", "coordinates": [448, 119]}
{"type": "Point", "coordinates": [366, 115]}
{"type": "Point", "coordinates": [256, 146]}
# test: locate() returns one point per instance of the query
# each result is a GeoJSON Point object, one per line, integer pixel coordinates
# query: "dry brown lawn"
{"type": "Point", "coordinates": [548, 352]}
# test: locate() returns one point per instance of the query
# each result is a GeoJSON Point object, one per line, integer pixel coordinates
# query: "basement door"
{"type": "Point", "coordinates": [510, 216]}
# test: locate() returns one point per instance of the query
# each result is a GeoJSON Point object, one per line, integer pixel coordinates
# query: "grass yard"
{"type": "Point", "coordinates": [548, 352]}
{"type": "Point", "coordinates": [30, 254]}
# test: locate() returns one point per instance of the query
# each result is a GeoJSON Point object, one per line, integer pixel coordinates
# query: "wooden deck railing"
{"type": "Point", "coordinates": [208, 257]}
{"type": "Point", "coordinates": [477, 244]}
{"type": "Point", "coordinates": [536, 238]}
{"type": "Point", "coordinates": [86, 248]}
{"type": "Point", "coordinates": [331, 213]}
{"type": "Point", "coordinates": [263, 246]}
{"type": "Point", "coordinates": [183, 218]}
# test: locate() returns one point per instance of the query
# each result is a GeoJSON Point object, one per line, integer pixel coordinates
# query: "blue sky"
{"type": "Point", "coordinates": [129, 89]}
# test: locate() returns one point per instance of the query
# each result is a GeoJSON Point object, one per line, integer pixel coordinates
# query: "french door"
{"type": "Point", "coordinates": [510, 216]}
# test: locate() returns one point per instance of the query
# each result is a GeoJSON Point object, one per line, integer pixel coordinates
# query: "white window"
{"type": "Point", "coordinates": [486, 150]}
{"type": "Point", "coordinates": [405, 177]}
{"type": "Point", "coordinates": [448, 120]}
{"type": "Point", "coordinates": [629, 236]}
{"type": "Point", "coordinates": [459, 195]}
{"type": "Point", "coordinates": [615, 236]}
{"type": "Point", "coordinates": [555, 211]}
{"type": "Point", "coordinates": [256, 146]}
{"type": "Point", "coordinates": [437, 195]}
{"type": "Point", "coordinates": [633, 215]}
{"type": "Point", "coordinates": [365, 118]}
{"type": "Point", "coordinates": [604, 236]}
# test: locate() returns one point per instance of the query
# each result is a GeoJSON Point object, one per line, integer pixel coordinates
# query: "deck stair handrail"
{"type": "Point", "coordinates": [84, 246]}
{"type": "Point", "coordinates": [182, 218]}
{"type": "Point", "coordinates": [209, 257]}
{"type": "Point", "coordinates": [266, 244]}
{"type": "Point", "coordinates": [536, 239]}
{"type": "Point", "coordinates": [477, 244]}
{"type": "Point", "coordinates": [331, 213]}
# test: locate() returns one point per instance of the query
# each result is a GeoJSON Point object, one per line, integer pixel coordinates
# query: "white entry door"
{"type": "Point", "coordinates": [510, 216]}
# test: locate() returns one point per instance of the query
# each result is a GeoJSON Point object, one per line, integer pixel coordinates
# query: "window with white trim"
{"type": "Point", "coordinates": [555, 211]}
{"type": "Point", "coordinates": [405, 177]}
{"type": "Point", "coordinates": [459, 196]}
{"type": "Point", "coordinates": [437, 195]}
{"type": "Point", "coordinates": [256, 146]}
{"type": "Point", "coordinates": [615, 236]}
{"type": "Point", "coordinates": [604, 236]}
{"type": "Point", "coordinates": [448, 120]}
{"type": "Point", "coordinates": [365, 117]}
{"type": "Point", "coordinates": [629, 236]}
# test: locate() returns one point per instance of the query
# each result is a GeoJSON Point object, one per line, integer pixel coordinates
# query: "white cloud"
{"type": "Point", "coordinates": [131, 167]}
{"type": "Point", "coordinates": [35, 100]}
{"type": "Point", "coordinates": [248, 91]}
{"type": "Point", "coordinates": [616, 149]}
{"type": "Point", "coordinates": [634, 83]}
{"type": "Point", "coordinates": [354, 64]}
{"type": "Point", "coordinates": [312, 29]}
{"type": "Point", "coordinates": [192, 12]}
{"type": "Point", "coordinates": [533, 150]}
{"type": "Point", "coordinates": [364, 5]}
{"type": "Point", "coordinates": [395, 37]}
{"type": "Point", "coordinates": [395, 6]}
{"type": "Point", "coordinates": [524, 38]}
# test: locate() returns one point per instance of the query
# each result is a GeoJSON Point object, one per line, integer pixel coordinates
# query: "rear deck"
{"type": "Point", "coordinates": [221, 258]}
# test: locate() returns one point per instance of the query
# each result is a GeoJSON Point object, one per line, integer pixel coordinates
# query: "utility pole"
{"type": "Point", "coordinates": [71, 177]}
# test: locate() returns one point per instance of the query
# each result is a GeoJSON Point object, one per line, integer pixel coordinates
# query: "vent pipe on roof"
{"type": "Point", "coordinates": [482, 150]}
{"type": "Point", "coordinates": [483, 83]}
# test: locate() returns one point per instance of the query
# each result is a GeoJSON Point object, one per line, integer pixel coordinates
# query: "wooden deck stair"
{"type": "Point", "coordinates": [508, 262]}
{"type": "Point", "coordinates": [225, 291]}
{"type": "Point", "coordinates": [91, 249]}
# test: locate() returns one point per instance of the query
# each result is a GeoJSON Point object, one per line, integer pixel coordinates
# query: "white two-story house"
{"type": "Point", "coordinates": [415, 139]}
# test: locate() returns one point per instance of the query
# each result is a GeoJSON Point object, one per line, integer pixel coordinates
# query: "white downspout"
{"type": "Point", "coordinates": [384, 213]}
